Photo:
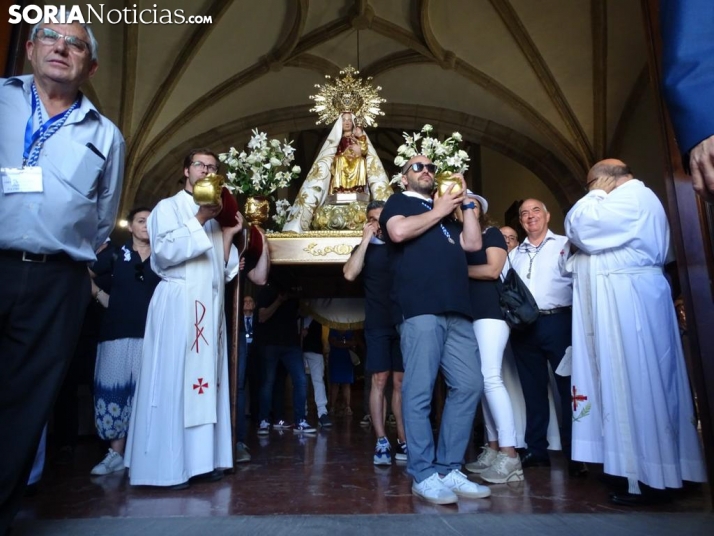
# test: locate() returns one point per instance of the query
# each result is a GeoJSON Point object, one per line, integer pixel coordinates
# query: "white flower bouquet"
{"type": "Point", "coordinates": [263, 168]}
{"type": "Point", "coordinates": [445, 154]}
{"type": "Point", "coordinates": [282, 206]}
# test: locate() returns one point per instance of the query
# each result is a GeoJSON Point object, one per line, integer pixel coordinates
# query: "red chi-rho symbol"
{"type": "Point", "coordinates": [200, 386]}
{"type": "Point", "coordinates": [198, 326]}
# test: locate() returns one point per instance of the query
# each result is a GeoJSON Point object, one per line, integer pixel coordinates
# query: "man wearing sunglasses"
{"type": "Point", "coordinates": [61, 169]}
{"type": "Point", "coordinates": [431, 294]}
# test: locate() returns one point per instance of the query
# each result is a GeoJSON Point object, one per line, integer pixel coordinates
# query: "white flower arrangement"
{"type": "Point", "coordinates": [263, 168]}
{"type": "Point", "coordinates": [445, 154]}
{"type": "Point", "coordinates": [282, 206]}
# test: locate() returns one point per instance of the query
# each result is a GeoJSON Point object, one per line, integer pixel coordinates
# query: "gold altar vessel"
{"type": "Point", "coordinates": [207, 191]}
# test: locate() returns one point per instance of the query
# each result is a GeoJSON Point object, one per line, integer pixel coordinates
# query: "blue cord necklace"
{"type": "Point", "coordinates": [443, 229]}
{"type": "Point", "coordinates": [45, 130]}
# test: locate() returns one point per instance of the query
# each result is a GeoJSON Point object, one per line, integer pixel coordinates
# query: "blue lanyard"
{"type": "Point", "coordinates": [443, 229]}
{"type": "Point", "coordinates": [47, 129]}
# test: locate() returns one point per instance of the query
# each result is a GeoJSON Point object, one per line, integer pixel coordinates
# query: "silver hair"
{"type": "Point", "coordinates": [93, 44]}
{"type": "Point", "coordinates": [534, 199]}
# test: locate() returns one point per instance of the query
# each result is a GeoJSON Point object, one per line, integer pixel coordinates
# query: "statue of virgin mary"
{"type": "Point", "coordinates": [347, 162]}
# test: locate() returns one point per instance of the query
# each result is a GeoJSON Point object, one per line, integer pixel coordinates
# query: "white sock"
{"type": "Point", "coordinates": [633, 486]}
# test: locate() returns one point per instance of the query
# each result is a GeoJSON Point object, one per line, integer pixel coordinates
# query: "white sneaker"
{"type": "Point", "coordinates": [242, 454]}
{"type": "Point", "coordinates": [485, 460]}
{"type": "Point", "coordinates": [111, 463]}
{"type": "Point", "coordinates": [434, 491]}
{"type": "Point", "coordinates": [264, 428]}
{"type": "Point", "coordinates": [457, 482]}
{"type": "Point", "coordinates": [505, 470]}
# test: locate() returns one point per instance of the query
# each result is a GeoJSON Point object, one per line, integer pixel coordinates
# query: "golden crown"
{"type": "Point", "coordinates": [348, 93]}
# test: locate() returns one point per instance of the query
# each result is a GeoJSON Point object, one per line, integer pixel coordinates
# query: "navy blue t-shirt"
{"type": "Point", "coordinates": [133, 284]}
{"type": "Point", "coordinates": [429, 273]}
{"type": "Point", "coordinates": [377, 279]}
{"type": "Point", "coordinates": [484, 293]}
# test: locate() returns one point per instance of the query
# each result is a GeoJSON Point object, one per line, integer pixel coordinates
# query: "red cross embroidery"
{"type": "Point", "coordinates": [200, 386]}
{"type": "Point", "coordinates": [199, 327]}
{"type": "Point", "coordinates": [577, 398]}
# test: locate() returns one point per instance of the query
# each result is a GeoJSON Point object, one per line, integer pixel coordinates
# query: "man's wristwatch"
{"type": "Point", "coordinates": [470, 205]}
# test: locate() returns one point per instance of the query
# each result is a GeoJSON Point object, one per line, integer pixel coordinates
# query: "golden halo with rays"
{"type": "Point", "coordinates": [348, 93]}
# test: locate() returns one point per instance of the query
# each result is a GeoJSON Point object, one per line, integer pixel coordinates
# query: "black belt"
{"type": "Point", "coordinates": [555, 310]}
{"type": "Point", "coordinates": [26, 256]}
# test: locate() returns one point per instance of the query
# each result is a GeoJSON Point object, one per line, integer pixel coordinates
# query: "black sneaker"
{"type": "Point", "coordinates": [325, 421]}
{"type": "Point", "coordinates": [401, 454]}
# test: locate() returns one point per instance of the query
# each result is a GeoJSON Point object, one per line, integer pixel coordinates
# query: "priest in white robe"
{"type": "Point", "coordinates": [180, 425]}
{"type": "Point", "coordinates": [631, 399]}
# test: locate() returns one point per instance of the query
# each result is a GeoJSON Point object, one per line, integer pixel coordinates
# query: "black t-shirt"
{"type": "Point", "coordinates": [281, 328]}
{"type": "Point", "coordinates": [429, 273]}
{"type": "Point", "coordinates": [484, 294]}
{"type": "Point", "coordinates": [312, 342]}
{"type": "Point", "coordinates": [133, 284]}
{"type": "Point", "coordinates": [377, 279]}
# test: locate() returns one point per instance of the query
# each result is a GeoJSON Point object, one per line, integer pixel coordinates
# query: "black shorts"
{"type": "Point", "coordinates": [383, 350]}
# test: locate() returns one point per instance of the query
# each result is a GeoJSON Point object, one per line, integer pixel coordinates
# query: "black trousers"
{"type": "Point", "coordinates": [79, 372]}
{"type": "Point", "coordinates": [42, 307]}
{"type": "Point", "coordinates": [545, 341]}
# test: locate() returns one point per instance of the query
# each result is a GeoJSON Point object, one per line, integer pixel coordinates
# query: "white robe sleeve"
{"type": "Point", "coordinates": [174, 242]}
{"type": "Point", "coordinates": [232, 265]}
{"type": "Point", "coordinates": [601, 221]}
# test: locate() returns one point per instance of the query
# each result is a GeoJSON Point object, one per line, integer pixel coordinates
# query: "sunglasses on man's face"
{"type": "Point", "coordinates": [417, 167]}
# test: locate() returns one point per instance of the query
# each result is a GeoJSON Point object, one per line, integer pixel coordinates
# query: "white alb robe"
{"type": "Point", "coordinates": [161, 450]}
{"type": "Point", "coordinates": [632, 404]}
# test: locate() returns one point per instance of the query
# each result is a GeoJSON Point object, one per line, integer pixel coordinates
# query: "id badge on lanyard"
{"type": "Point", "coordinates": [28, 179]}
{"type": "Point", "coordinates": [21, 180]}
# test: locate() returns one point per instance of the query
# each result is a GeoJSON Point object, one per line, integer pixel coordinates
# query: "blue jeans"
{"type": "Point", "coordinates": [291, 357]}
{"type": "Point", "coordinates": [430, 343]}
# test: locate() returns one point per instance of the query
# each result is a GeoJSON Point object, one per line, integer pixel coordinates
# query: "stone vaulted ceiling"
{"type": "Point", "coordinates": [549, 83]}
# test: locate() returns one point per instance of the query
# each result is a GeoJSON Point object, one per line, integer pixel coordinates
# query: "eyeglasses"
{"type": "Point", "coordinates": [419, 166]}
{"type": "Point", "coordinates": [139, 272]}
{"type": "Point", "coordinates": [511, 238]}
{"type": "Point", "coordinates": [208, 167]}
{"type": "Point", "coordinates": [46, 36]}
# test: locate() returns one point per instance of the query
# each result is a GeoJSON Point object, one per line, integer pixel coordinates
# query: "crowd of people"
{"type": "Point", "coordinates": [605, 345]}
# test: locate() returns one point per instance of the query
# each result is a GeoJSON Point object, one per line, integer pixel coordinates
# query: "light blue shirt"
{"type": "Point", "coordinates": [77, 209]}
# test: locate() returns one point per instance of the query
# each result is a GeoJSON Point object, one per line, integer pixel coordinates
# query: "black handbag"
{"type": "Point", "coordinates": [517, 303]}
